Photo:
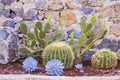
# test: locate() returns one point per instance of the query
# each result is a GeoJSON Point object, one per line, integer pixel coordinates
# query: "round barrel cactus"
{"type": "Point", "coordinates": [104, 59]}
{"type": "Point", "coordinates": [60, 51]}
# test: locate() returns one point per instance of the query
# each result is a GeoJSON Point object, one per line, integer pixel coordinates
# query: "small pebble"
{"type": "Point", "coordinates": [65, 7]}
{"type": "Point", "coordinates": [79, 66]}
{"type": "Point", "coordinates": [82, 71]}
{"type": "Point", "coordinates": [118, 71]}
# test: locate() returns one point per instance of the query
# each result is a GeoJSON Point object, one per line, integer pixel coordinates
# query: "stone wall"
{"type": "Point", "coordinates": [70, 13]}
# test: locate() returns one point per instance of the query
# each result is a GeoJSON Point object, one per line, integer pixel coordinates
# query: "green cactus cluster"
{"type": "Point", "coordinates": [87, 38]}
{"type": "Point", "coordinates": [65, 54]}
{"type": "Point", "coordinates": [38, 36]}
{"type": "Point", "coordinates": [60, 51]}
{"type": "Point", "coordinates": [104, 59]}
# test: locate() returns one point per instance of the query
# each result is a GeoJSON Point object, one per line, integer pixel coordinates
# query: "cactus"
{"type": "Point", "coordinates": [104, 59]}
{"type": "Point", "coordinates": [87, 39]}
{"type": "Point", "coordinates": [37, 37]}
{"type": "Point", "coordinates": [60, 51]}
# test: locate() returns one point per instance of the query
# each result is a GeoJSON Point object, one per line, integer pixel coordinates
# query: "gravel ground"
{"type": "Point", "coordinates": [16, 68]}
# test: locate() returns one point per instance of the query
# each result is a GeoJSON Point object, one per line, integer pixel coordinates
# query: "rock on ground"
{"type": "Point", "coordinates": [8, 45]}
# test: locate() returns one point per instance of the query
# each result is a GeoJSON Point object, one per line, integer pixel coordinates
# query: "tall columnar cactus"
{"type": "Point", "coordinates": [38, 36]}
{"type": "Point", "coordinates": [104, 59]}
{"type": "Point", "coordinates": [87, 38]}
{"type": "Point", "coordinates": [60, 51]}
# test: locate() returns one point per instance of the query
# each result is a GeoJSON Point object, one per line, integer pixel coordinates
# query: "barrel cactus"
{"type": "Point", "coordinates": [104, 59]}
{"type": "Point", "coordinates": [60, 51]}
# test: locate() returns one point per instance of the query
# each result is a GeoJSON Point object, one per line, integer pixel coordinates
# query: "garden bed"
{"type": "Point", "coordinates": [16, 68]}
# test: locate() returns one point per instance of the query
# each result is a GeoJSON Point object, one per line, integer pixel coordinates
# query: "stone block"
{"type": "Point", "coordinates": [88, 55]}
{"type": "Point", "coordinates": [115, 29]}
{"type": "Point", "coordinates": [8, 45]}
{"type": "Point", "coordinates": [107, 12]}
{"type": "Point", "coordinates": [117, 9]}
{"type": "Point", "coordinates": [68, 17]}
{"type": "Point", "coordinates": [55, 5]}
{"type": "Point", "coordinates": [71, 5]}
{"type": "Point", "coordinates": [55, 14]}
{"type": "Point", "coordinates": [96, 3]}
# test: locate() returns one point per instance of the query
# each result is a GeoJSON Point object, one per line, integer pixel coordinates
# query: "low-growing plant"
{"type": "Point", "coordinates": [60, 51]}
{"type": "Point", "coordinates": [54, 68]}
{"type": "Point", "coordinates": [30, 64]}
{"type": "Point", "coordinates": [79, 66]}
{"type": "Point", "coordinates": [87, 38]}
{"type": "Point", "coordinates": [38, 36]}
{"type": "Point", "coordinates": [104, 59]}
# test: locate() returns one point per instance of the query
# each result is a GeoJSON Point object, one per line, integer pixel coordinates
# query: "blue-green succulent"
{"type": "Point", "coordinates": [30, 64]}
{"type": "Point", "coordinates": [54, 68]}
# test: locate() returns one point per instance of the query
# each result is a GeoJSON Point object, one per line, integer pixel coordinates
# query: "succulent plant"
{"type": "Point", "coordinates": [39, 36]}
{"type": "Point", "coordinates": [30, 64]}
{"type": "Point", "coordinates": [104, 59]}
{"type": "Point", "coordinates": [87, 39]}
{"type": "Point", "coordinates": [60, 51]}
{"type": "Point", "coordinates": [79, 66]}
{"type": "Point", "coordinates": [54, 68]}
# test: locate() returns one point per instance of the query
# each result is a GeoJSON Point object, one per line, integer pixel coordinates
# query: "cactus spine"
{"type": "Point", "coordinates": [104, 59]}
{"type": "Point", "coordinates": [60, 51]}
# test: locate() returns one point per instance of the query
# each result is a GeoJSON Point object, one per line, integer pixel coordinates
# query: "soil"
{"type": "Point", "coordinates": [16, 68]}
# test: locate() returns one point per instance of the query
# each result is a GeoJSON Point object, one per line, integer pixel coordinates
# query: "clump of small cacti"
{"type": "Point", "coordinates": [60, 51]}
{"type": "Point", "coordinates": [87, 38]}
{"type": "Point", "coordinates": [30, 39]}
{"type": "Point", "coordinates": [54, 68]}
{"type": "Point", "coordinates": [104, 59]}
{"type": "Point", "coordinates": [30, 64]}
